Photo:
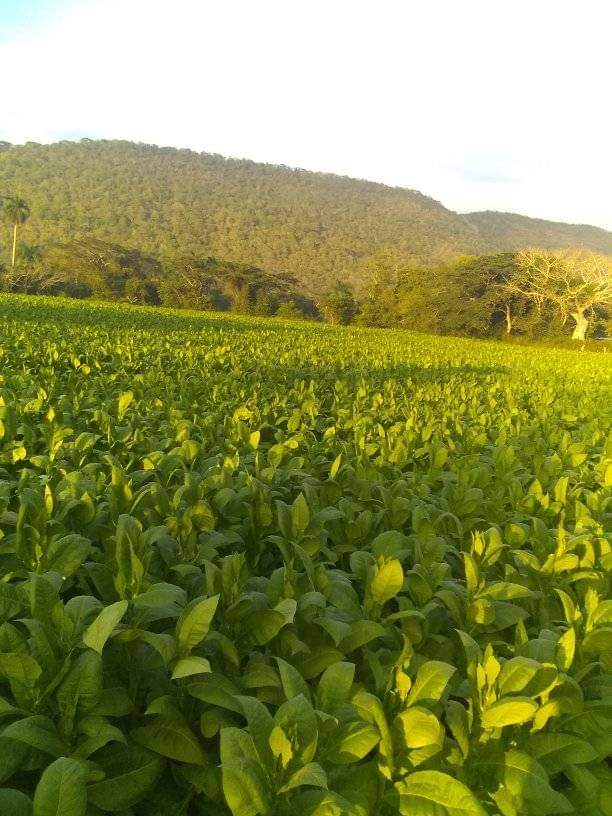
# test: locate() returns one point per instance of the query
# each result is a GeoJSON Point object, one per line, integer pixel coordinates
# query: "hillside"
{"type": "Point", "coordinates": [509, 231]}
{"type": "Point", "coordinates": [317, 227]}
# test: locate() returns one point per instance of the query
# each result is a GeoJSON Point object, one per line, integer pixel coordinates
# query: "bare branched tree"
{"type": "Point", "coordinates": [32, 278]}
{"type": "Point", "coordinates": [575, 282]}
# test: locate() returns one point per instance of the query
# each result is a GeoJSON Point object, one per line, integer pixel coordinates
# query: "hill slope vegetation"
{"type": "Point", "coordinates": [509, 231]}
{"type": "Point", "coordinates": [316, 227]}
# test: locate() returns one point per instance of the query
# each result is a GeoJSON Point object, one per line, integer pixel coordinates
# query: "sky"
{"type": "Point", "coordinates": [496, 104]}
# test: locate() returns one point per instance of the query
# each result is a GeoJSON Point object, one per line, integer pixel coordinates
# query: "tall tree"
{"type": "Point", "coordinates": [476, 294]}
{"type": "Point", "coordinates": [378, 306]}
{"type": "Point", "coordinates": [16, 212]}
{"type": "Point", "coordinates": [339, 305]}
{"type": "Point", "coordinates": [575, 282]}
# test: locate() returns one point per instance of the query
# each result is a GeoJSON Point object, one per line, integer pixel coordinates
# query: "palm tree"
{"type": "Point", "coordinates": [16, 212]}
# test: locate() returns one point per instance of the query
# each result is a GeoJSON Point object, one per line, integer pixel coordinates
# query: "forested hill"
{"type": "Point", "coordinates": [509, 231]}
{"type": "Point", "coordinates": [318, 227]}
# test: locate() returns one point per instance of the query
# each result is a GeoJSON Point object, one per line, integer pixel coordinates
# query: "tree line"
{"type": "Point", "coordinates": [91, 268]}
{"type": "Point", "coordinates": [533, 292]}
{"type": "Point", "coordinates": [536, 293]}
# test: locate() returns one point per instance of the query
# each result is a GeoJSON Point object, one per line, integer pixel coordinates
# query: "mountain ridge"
{"type": "Point", "coordinates": [319, 227]}
{"type": "Point", "coordinates": [519, 228]}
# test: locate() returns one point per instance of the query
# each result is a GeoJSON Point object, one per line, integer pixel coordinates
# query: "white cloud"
{"type": "Point", "coordinates": [482, 104]}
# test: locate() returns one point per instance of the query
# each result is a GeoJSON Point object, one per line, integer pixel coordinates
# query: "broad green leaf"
{"type": "Point", "coordinates": [161, 595]}
{"type": "Point", "coordinates": [236, 743]}
{"type": "Point", "coordinates": [311, 774]}
{"type": "Point", "coordinates": [458, 721]}
{"type": "Point", "coordinates": [432, 793]}
{"type": "Point", "coordinates": [81, 609]}
{"type": "Point", "coordinates": [194, 623]}
{"type": "Point", "coordinates": [254, 439]}
{"type": "Point", "coordinates": [65, 555]}
{"type": "Point", "coordinates": [130, 773]}
{"type": "Point", "coordinates": [292, 681]}
{"type": "Point", "coordinates": [38, 732]}
{"type": "Point", "coordinates": [316, 802]}
{"type": "Point", "coordinates": [165, 645]}
{"type": "Point", "coordinates": [352, 742]}
{"type": "Point", "coordinates": [260, 724]}
{"type": "Point", "coordinates": [264, 625]}
{"type": "Point", "coordinates": [556, 750]}
{"type": "Point", "coordinates": [472, 650]}
{"type": "Point", "coordinates": [300, 516]}
{"type": "Point", "coordinates": [297, 718]}
{"type": "Point", "coordinates": [99, 631]}
{"type": "Point", "coordinates": [516, 674]}
{"type": "Point", "coordinates": [360, 786]}
{"type": "Point", "coordinates": [526, 781]}
{"type": "Point", "coordinates": [188, 666]}
{"type": "Point", "coordinates": [370, 709]}
{"type": "Point", "coordinates": [287, 607]}
{"type": "Point", "coordinates": [334, 687]}
{"type": "Point", "coordinates": [599, 641]}
{"type": "Point", "coordinates": [509, 711]}
{"type": "Point", "coordinates": [61, 790]}
{"type": "Point", "coordinates": [566, 649]}
{"type": "Point", "coordinates": [81, 689]}
{"type": "Point", "coordinates": [130, 569]}
{"type": "Point", "coordinates": [281, 747]}
{"type": "Point", "coordinates": [361, 633]}
{"type": "Point", "coordinates": [601, 614]}
{"type": "Point", "coordinates": [335, 466]}
{"type": "Point", "coordinates": [388, 544]}
{"type": "Point", "coordinates": [202, 516]}
{"type": "Point", "coordinates": [387, 582]}
{"type": "Point", "coordinates": [430, 682]}
{"type": "Point", "coordinates": [114, 701]}
{"type": "Point", "coordinates": [419, 727]}
{"type": "Point", "coordinates": [13, 757]}
{"type": "Point", "coordinates": [245, 788]}
{"type": "Point", "coordinates": [505, 591]}
{"type": "Point", "coordinates": [216, 690]}
{"type": "Point", "coordinates": [589, 793]}
{"type": "Point", "coordinates": [312, 664]}
{"type": "Point", "coordinates": [15, 803]}
{"type": "Point", "coordinates": [20, 668]}
{"type": "Point", "coordinates": [97, 732]}
{"type": "Point", "coordinates": [170, 738]}
{"type": "Point", "coordinates": [124, 402]}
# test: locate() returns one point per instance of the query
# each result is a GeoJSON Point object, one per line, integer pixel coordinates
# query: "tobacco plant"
{"type": "Point", "coordinates": [254, 568]}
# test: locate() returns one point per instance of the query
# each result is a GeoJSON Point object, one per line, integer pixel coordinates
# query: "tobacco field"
{"type": "Point", "coordinates": [255, 568]}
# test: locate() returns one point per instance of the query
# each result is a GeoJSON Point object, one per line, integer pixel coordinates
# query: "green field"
{"type": "Point", "coordinates": [254, 568]}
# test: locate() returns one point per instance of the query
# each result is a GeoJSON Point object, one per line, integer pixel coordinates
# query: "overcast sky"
{"type": "Point", "coordinates": [482, 104]}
